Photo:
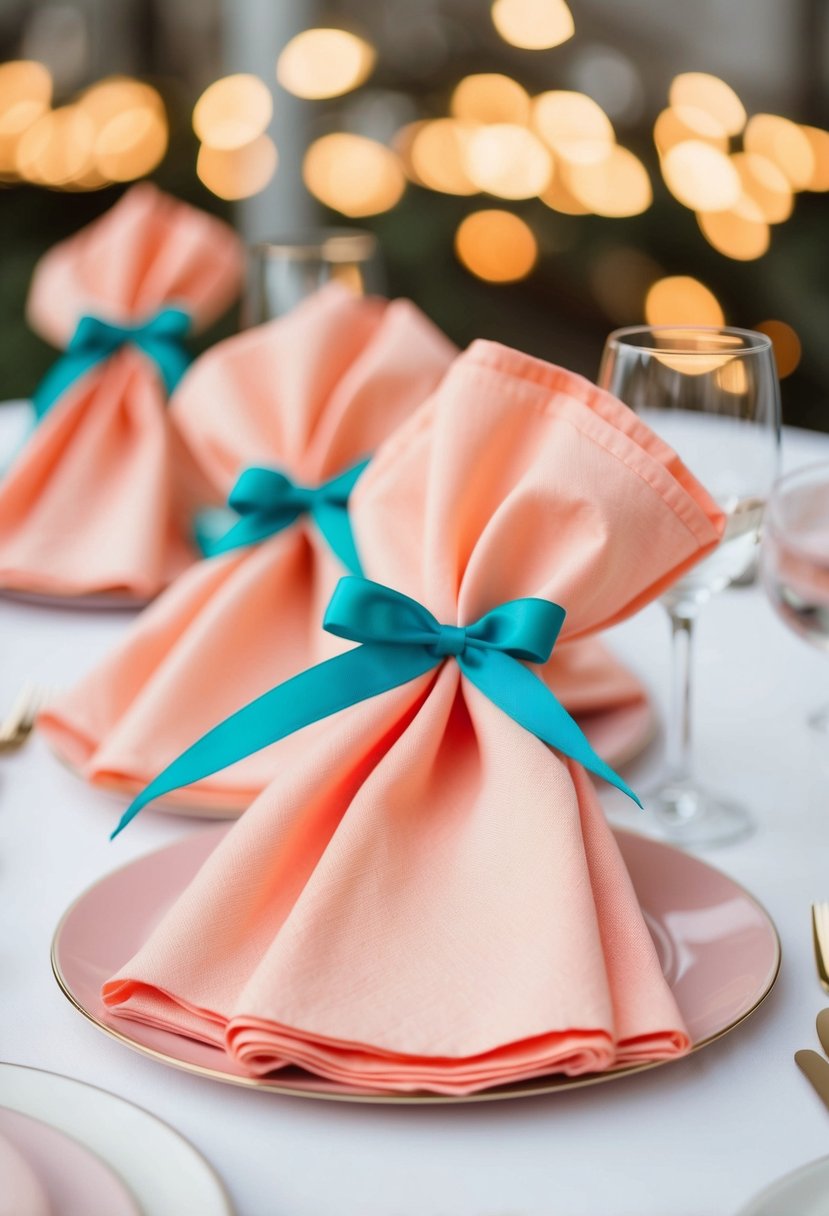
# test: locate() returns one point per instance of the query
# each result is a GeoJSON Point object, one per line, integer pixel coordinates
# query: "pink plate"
{"type": "Point", "coordinates": [75, 1181]}
{"type": "Point", "coordinates": [718, 949]}
{"type": "Point", "coordinates": [121, 600]}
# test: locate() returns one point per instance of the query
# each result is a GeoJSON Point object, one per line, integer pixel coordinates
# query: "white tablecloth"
{"type": "Point", "coordinates": [695, 1138]}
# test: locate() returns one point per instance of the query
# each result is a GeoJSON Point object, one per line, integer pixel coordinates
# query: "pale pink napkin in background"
{"type": "Point", "coordinates": [426, 896]}
{"type": "Point", "coordinates": [100, 497]}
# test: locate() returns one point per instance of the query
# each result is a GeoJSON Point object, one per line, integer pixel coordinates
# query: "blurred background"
{"type": "Point", "coordinates": [537, 171]}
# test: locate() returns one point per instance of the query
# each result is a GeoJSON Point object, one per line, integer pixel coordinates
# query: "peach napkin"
{"type": "Point", "coordinates": [310, 393]}
{"type": "Point", "coordinates": [99, 498]}
{"type": "Point", "coordinates": [427, 896]}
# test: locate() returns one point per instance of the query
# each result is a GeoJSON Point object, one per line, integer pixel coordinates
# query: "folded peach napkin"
{"type": "Point", "coordinates": [99, 498]}
{"type": "Point", "coordinates": [310, 394]}
{"type": "Point", "coordinates": [427, 896]}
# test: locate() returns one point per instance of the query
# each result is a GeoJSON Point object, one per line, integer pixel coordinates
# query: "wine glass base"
{"type": "Point", "coordinates": [692, 817]}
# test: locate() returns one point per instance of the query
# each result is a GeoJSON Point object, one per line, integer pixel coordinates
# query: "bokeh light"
{"type": "Point", "coordinates": [784, 143]}
{"type": "Point", "coordinates": [533, 25]}
{"type": "Point", "coordinates": [233, 111]}
{"type": "Point", "coordinates": [765, 184]}
{"type": "Point", "coordinates": [508, 161]}
{"type": "Point", "coordinates": [617, 186]}
{"type": "Point", "coordinates": [682, 300]}
{"type": "Point", "coordinates": [490, 97]}
{"type": "Point", "coordinates": [701, 177]}
{"type": "Point", "coordinates": [574, 126]}
{"type": "Point", "coordinates": [25, 94]}
{"type": "Point", "coordinates": [130, 144]}
{"type": "Point", "coordinates": [786, 345]}
{"type": "Point", "coordinates": [701, 91]}
{"type": "Point", "coordinates": [57, 148]}
{"type": "Point", "coordinates": [353, 174]}
{"type": "Point", "coordinates": [234, 173]}
{"type": "Point", "coordinates": [437, 153]}
{"type": "Point", "coordinates": [819, 141]}
{"type": "Point", "coordinates": [740, 233]}
{"type": "Point", "coordinates": [676, 126]}
{"type": "Point", "coordinates": [320, 63]}
{"type": "Point", "coordinates": [496, 246]}
{"type": "Point", "coordinates": [559, 197]}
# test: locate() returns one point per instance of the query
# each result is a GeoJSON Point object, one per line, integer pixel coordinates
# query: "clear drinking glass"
{"type": "Point", "coordinates": [714, 396]}
{"type": "Point", "coordinates": [795, 552]}
{"type": "Point", "coordinates": [282, 272]}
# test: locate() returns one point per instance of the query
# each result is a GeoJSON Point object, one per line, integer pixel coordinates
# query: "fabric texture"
{"type": "Point", "coordinates": [310, 394]}
{"type": "Point", "coordinates": [426, 896]}
{"type": "Point", "coordinates": [100, 497]}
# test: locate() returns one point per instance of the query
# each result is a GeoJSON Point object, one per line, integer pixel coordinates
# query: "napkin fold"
{"type": "Point", "coordinates": [100, 497]}
{"type": "Point", "coordinates": [426, 896]}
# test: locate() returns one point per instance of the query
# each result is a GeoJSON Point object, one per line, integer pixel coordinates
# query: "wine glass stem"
{"type": "Point", "coordinates": [679, 741]}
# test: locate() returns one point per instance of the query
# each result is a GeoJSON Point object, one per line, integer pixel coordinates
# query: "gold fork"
{"type": "Point", "coordinates": [820, 937]}
{"type": "Point", "coordinates": [17, 725]}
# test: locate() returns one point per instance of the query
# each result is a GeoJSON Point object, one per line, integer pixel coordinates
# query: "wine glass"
{"type": "Point", "coordinates": [795, 552]}
{"type": "Point", "coordinates": [714, 396]}
{"type": "Point", "coordinates": [282, 272]}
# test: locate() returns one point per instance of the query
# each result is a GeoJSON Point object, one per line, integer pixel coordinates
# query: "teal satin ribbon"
{"type": "Point", "coordinates": [94, 340]}
{"type": "Point", "coordinates": [401, 640]}
{"type": "Point", "coordinates": [267, 500]}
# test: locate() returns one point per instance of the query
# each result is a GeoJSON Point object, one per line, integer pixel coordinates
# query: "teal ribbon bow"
{"type": "Point", "coordinates": [267, 500]}
{"type": "Point", "coordinates": [401, 640]}
{"type": "Point", "coordinates": [94, 340]}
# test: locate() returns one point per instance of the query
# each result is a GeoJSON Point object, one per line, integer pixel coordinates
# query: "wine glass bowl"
{"type": "Point", "coordinates": [795, 553]}
{"type": "Point", "coordinates": [712, 394]}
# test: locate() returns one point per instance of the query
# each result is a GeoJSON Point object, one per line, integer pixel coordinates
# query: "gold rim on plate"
{"type": "Point", "coordinates": [531, 1088]}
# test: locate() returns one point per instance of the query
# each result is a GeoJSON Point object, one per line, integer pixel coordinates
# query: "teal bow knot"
{"type": "Point", "coordinates": [399, 640]}
{"type": "Point", "coordinates": [95, 340]}
{"type": "Point", "coordinates": [267, 500]}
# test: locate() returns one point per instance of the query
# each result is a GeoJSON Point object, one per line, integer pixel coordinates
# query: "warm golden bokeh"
{"type": "Point", "coordinates": [234, 173]}
{"type": "Point", "coordinates": [819, 141]}
{"type": "Point", "coordinates": [435, 155]}
{"type": "Point", "coordinates": [682, 300]}
{"type": "Point", "coordinates": [496, 246]}
{"type": "Point", "coordinates": [320, 63]}
{"type": "Point", "coordinates": [784, 143]}
{"type": "Point", "coordinates": [533, 25]}
{"type": "Point", "coordinates": [508, 161]}
{"type": "Point", "coordinates": [701, 177]}
{"type": "Point", "coordinates": [490, 97]}
{"type": "Point", "coordinates": [131, 144]}
{"type": "Point", "coordinates": [766, 185]}
{"type": "Point", "coordinates": [558, 197]}
{"type": "Point", "coordinates": [57, 148]}
{"type": "Point", "coordinates": [25, 94]}
{"type": "Point", "coordinates": [573, 125]}
{"type": "Point", "coordinates": [353, 174]}
{"type": "Point", "coordinates": [232, 112]}
{"type": "Point", "coordinates": [677, 125]}
{"type": "Point", "coordinates": [115, 95]}
{"type": "Point", "coordinates": [617, 186]}
{"type": "Point", "coordinates": [740, 233]}
{"type": "Point", "coordinates": [786, 345]}
{"type": "Point", "coordinates": [702, 91]}
{"type": "Point", "coordinates": [732, 377]}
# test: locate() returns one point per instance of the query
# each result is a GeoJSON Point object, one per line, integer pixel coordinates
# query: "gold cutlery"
{"type": "Point", "coordinates": [17, 725]}
{"type": "Point", "coordinates": [816, 1069]}
{"type": "Point", "coordinates": [820, 937]}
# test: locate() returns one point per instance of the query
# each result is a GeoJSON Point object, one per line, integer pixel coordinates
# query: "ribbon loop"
{"type": "Point", "coordinates": [160, 337]}
{"type": "Point", "coordinates": [401, 640]}
{"type": "Point", "coordinates": [267, 500]}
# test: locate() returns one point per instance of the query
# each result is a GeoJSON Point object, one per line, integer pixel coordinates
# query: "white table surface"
{"type": "Point", "coordinates": [695, 1138]}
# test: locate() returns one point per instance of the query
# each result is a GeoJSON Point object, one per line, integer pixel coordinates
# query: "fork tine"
{"type": "Point", "coordinates": [820, 936]}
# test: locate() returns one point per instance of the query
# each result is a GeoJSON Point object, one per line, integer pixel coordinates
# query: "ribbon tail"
{"type": "Point", "coordinates": [528, 701]}
{"type": "Point", "coordinates": [218, 530]}
{"type": "Point", "coordinates": [334, 523]}
{"type": "Point", "coordinates": [359, 674]}
{"type": "Point", "coordinates": [61, 376]}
